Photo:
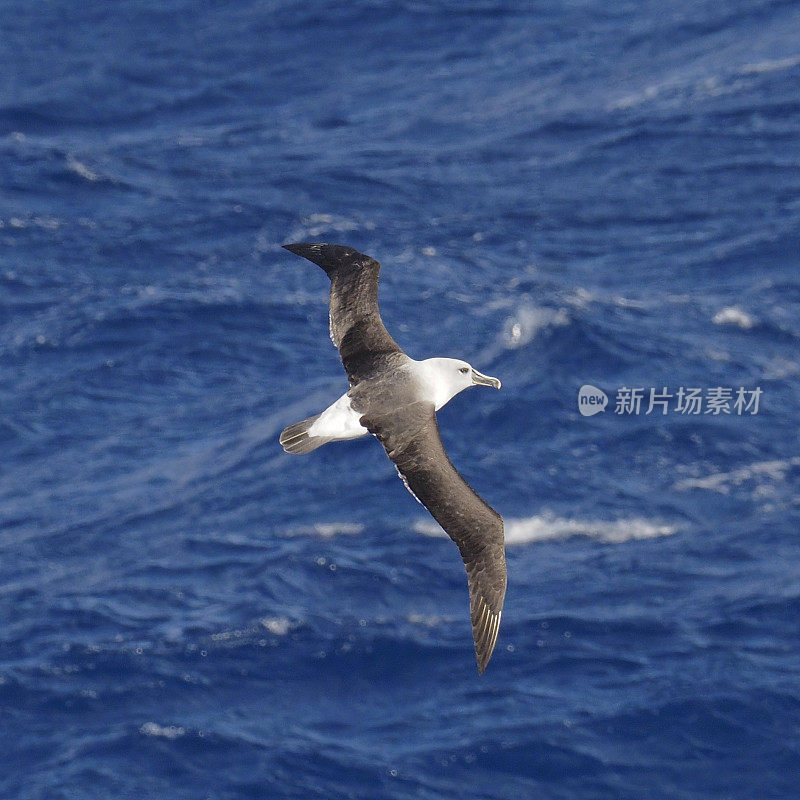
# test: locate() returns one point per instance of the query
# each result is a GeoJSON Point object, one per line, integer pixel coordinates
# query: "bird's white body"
{"type": "Point", "coordinates": [439, 380]}
{"type": "Point", "coordinates": [338, 421]}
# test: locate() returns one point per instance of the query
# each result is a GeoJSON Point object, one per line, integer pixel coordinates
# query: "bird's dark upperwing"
{"type": "Point", "coordinates": [411, 438]}
{"type": "Point", "coordinates": [356, 327]}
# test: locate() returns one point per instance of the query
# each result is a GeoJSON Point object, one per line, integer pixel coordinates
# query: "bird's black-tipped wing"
{"type": "Point", "coordinates": [356, 327]}
{"type": "Point", "coordinates": [411, 438]}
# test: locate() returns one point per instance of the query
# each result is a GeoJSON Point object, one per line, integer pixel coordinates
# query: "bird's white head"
{"type": "Point", "coordinates": [444, 378]}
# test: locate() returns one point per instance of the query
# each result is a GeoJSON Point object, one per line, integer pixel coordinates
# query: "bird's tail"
{"type": "Point", "coordinates": [297, 440]}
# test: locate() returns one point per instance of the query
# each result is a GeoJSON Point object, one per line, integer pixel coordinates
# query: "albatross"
{"type": "Point", "coordinates": [396, 398]}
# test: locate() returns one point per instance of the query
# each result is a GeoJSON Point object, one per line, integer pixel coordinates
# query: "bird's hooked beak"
{"type": "Point", "coordinates": [484, 380]}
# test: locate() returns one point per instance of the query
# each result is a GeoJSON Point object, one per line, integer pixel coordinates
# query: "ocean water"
{"type": "Point", "coordinates": [566, 194]}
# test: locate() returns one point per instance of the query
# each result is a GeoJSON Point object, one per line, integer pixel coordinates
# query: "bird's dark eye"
{"type": "Point", "coordinates": [464, 370]}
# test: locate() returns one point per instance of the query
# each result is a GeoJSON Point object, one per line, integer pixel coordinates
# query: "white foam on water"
{"type": "Point", "coordinates": [771, 65]}
{"type": "Point", "coordinates": [327, 530]}
{"type": "Point", "coordinates": [426, 620]}
{"type": "Point", "coordinates": [162, 731]}
{"type": "Point", "coordinates": [528, 320]}
{"type": "Point", "coordinates": [778, 368]}
{"type": "Point", "coordinates": [548, 527]}
{"type": "Point", "coordinates": [723, 482]}
{"type": "Point", "coordinates": [680, 88]}
{"type": "Point", "coordinates": [279, 626]}
{"type": "Point", "coordinates": [637, 98]}
{"type": "Point", "coordinates": [81, 170]}
{"type": "Point", "coordinates": [734, 315]}
{"type": "Point", "coordinates": [581, 298]}
{"type": "Point", "coordinates": [316, 225]}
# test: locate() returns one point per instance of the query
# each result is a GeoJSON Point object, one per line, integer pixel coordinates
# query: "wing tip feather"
{"type": "Point", "coordinates": [331, 257]}
{"type": "Point", "coordinates": [485, 629]}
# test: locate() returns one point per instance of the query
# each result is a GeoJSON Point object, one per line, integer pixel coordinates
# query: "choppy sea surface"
{"type": "Point", "coordinates": [564, 194]}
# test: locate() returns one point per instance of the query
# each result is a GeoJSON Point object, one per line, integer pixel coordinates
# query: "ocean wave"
{"type": "Point", "coordinates": [320, 224]}
{"type": "Point", "coordinates": [734, 315]}
{"type": "Point", "coordinates": [548, 527]}
{"type": "Point", "coordinates": [523, 325]}
{"type": "Point", "coordinates": [326, 530]}
{"type": "Point", "coordinates": [679, 88]}
{"type": "Point", "coordinates": [723, 482]}
{"type": "Point", "coordinates": [771, 65]}
{"type": "Point", "coordinates": [427, 620]}
{"type": "Point", "coordinates": [277, 626]}
{"type": "Point", "coordinates": [162, 731]}
{"type": "Point", "coordinates": [81, 170]}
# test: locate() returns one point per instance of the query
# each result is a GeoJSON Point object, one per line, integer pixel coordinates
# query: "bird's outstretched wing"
{"type": "Point", "coordinates": [356, 327]}
{"type": "Point", "coordinates": [411, 439]}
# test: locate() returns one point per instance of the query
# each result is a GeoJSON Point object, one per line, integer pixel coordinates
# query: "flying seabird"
{"type": "Point", "coordinates": [396, 399]}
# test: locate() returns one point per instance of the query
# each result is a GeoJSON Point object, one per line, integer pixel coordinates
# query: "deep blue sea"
{"type": "Point", "coordinates": [566, 194]}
